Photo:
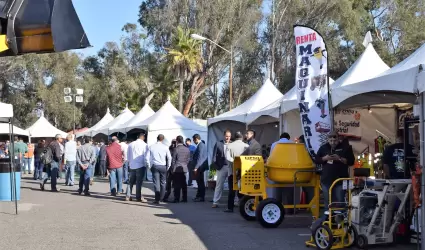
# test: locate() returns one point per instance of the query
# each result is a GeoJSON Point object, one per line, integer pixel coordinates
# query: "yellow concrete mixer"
{"type": "Point", "coordinates": [289, 165]}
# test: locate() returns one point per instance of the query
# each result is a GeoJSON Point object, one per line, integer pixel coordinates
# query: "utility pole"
{"type": "Point", "coordinates": [231, 80]}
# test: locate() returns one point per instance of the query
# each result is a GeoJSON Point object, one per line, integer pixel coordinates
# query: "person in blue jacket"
{"type": "Point", "coordinates": [200, 165]}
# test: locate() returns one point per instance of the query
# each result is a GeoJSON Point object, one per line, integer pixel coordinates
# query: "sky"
{"type": "Point", "coordinates": [103, 19]}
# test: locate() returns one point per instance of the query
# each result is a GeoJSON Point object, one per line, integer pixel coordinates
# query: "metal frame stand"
{"type": "Point", "coordinates": [13, 191]}
{"type": "Point", "coordinates": [422, 159]}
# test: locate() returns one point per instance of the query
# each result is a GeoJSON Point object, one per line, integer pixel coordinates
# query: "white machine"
{"type": "Point", "coordinates": [374, 215]}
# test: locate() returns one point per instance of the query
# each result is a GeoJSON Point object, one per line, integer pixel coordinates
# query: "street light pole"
{"type": "Point", "coordinates": [75, 104]}
{"type": "Point", "coordinates": [73, 97]}
{"type": "Point", "coordinates": [199, 37]}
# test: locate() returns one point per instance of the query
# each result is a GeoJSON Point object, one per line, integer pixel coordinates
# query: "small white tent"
{"type": "Point", "coordinates": [6, 111]}
{"type": "Point", "coordinates": [5, 129]}
{"type": "Point", "coordinates": [121, 119]}
{"type": "Point", "coordinates": [43, 128]}
{"type": "Point", "coordinates": [107, 118]}
{"type": "Point", "coordinates": [134, 122]}
{"type": "Point", "coordinates": [171, 123]}
{"type": "Point", "coordinates": [376, 85]}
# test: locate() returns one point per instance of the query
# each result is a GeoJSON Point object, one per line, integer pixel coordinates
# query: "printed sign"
{"type": "Point", "coordinates": [347, 123]}
{"type": "Point", "coordinates": [312, 84]}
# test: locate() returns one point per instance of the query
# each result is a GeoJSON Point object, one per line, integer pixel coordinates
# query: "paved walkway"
{"type": "Point", "coordinates": [66, 220]}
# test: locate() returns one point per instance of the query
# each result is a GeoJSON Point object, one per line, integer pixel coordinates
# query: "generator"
{"type": "Point", "coordinates": [378, 209]}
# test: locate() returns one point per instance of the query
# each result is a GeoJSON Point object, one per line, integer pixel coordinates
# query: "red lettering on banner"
{"type": "Point", "coordinates": [305, 38]}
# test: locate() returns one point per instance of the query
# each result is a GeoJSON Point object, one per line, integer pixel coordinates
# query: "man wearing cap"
{"type": "Point", "coordinates": [335, 159]}
{"type": "Point", "coordinates": [160, 161]}
{"type": "Point", "coordinates": [254, 147]}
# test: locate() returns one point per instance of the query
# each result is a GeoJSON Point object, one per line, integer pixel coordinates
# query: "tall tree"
{"type": "Point", "coordinates": [224, 22]}
{"type": "Point", "coordinates": [184, 57]}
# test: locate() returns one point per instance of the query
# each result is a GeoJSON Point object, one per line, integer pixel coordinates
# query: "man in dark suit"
{"type": "Point", "coordinates": [180, 160]}
{"type": "Point", "coordinates": [254, 147]}
{"type": "Point", "coordinates": [221, 164]}
{"type": "Point", "coordinates": [200, 164]}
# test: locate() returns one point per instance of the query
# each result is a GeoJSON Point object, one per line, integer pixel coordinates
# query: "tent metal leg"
{"type": "Point", "coordinates": [422, 158]}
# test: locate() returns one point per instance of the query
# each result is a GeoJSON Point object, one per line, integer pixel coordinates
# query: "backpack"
{"type": "Point", "coordinates": [46, 156]}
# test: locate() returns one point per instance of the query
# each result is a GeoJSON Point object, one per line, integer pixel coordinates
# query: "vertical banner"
{"type": "Point", "coordinates": [312, 84]}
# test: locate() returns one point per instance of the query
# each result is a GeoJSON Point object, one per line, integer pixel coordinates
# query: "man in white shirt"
{"type": "Point", "coordinates": [70, 159]}
{"type": "Point", "coordinates": [124, 149]}
{"type": "Point", "coordinates": [160, 161]}
{"type": "Point", "coordinates": [138, 157]}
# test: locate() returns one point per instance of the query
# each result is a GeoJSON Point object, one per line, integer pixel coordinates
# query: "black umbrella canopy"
{"type": "Point", "coordinates": [39, 26]}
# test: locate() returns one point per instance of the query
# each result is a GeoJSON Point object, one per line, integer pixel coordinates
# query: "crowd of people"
{"type": "Point", "coordinates": [173, 168]}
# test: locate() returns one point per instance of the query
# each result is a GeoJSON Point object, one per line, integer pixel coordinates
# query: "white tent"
{"type": "Point", "coordinates": [266, 95]}
{"type": "Point", "coordinates": [43, 128]}
{"type": "Point", "coordinates": [240, 117]}
{"type": "Point", "coordinates": [107, 118]}
{"type": "Point", "coordinates": [375, 85]}
{"type": "Point", "coordinates": [268, 114]}
{"type": "Point", "coordinates": [121, 119]}
{"type": "Point", "coordinates": [171, 123]}
{"type": "Point", "coordinates": [134, 122]}
{"type": "Point", "coordinates": [4, 129]}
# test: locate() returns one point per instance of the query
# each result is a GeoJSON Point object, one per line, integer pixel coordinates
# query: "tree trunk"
{"type": "Point", "coordinates": [149, 98]}
{"type": "Point", "coordinates": [181, 96]}
{"type": "Point", "coordinates": [195, 90]}
{"type": "Point", "coordinates": [188, 105]}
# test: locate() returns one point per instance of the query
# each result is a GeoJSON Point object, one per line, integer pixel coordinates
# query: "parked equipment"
{"type": "Point", "coordinates": [368, 217]}
{"type": "Point", "coordinates": [289, 165]}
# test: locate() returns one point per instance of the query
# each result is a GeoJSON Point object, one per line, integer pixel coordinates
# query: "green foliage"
{"type": "Point", "coordinates": [151, 61]}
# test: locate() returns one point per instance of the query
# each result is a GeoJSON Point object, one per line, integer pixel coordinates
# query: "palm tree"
{"type": "Point", "coordinates": [184, 58]}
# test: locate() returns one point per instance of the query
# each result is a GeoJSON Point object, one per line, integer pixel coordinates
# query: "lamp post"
{"type": "Point", "coordinates": [199, 37]}
{"type": "Point", "coordinates": [76, 97]}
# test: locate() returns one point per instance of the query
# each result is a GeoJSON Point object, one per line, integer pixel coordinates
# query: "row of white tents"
{"type": "Point", "coordinates": [368, 82]}
{"type": "Point", "coordinates": [167, 121]}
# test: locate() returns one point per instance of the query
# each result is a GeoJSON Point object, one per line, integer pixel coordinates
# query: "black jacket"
{"type": "Point", "coordinates": [56, 151]}
{"type": "Point", "coordinates": [254, 148]}
{"type": "Point", "coordinates": [180, 159]}
{"type": "Point", "coordinates": [335, 169]}
{"type": "Point", "coordinates": [219, 155]}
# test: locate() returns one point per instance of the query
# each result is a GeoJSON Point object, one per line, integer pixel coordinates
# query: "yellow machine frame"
{"type": "Point", "coordinates": [340, 237]}
{"type": "Point", "coordinates": [253, 182]}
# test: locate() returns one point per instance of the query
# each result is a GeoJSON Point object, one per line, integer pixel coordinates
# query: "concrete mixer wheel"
{"type": "Point", "coordinates": [270, 213]}
{"type": "Point", "coordinates": [246, 207]}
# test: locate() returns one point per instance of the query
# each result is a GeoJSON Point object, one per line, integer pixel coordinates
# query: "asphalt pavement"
{"type": "Point", "coordinates": [66, 220]}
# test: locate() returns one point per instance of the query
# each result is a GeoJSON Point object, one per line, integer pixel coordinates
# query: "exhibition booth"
{"type": "Point", "coordinates": [171, 123]}
{"type": "Point", "coordinates": [134, 123]}
{"type": "Point", "coordinates": [239, 118]}
{"type": "Point", "coordinates": [42, 128]}
{"type": "Point", "coordinates": [121, 119]}
{"type": "Point", "coordinates": [107, 118]}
